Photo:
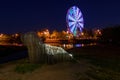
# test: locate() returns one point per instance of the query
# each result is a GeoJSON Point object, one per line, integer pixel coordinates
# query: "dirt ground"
{"type": "Point", "coordinates": [59, 71]}
{"type": "Point", "coordinates": [95, 63]}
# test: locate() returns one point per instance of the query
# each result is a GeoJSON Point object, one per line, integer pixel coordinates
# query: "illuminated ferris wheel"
{"type": "Point", "coordinates": [74, 19]}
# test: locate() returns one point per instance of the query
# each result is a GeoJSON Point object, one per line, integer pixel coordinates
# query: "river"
{"type": "Point", "coordinates": [24, 53]}
{"type": "Point", "coordinates": [70, 45]}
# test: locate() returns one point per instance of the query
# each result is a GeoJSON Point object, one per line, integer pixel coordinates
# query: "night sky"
{"type": "Point", "coordinates": [25, 16]}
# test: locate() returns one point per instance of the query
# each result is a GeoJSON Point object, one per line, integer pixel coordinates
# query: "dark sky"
{"type": "Point", "coordinates": [32, 15]}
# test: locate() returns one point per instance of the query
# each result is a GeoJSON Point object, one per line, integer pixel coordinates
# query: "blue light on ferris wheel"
{"type": "Point", "coordinates": [75, 20]}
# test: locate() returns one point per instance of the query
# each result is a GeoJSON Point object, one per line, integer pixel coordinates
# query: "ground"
{"type": "Point", "coordinates": [59, 71]}
{"type": "Point", "coordinates": [93, 63]}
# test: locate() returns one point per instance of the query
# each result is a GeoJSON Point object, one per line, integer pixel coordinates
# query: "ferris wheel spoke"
{"type": "Point", "coordinates": [80, 20]}
{"type": "Point", "coordinates": [80, 29]}
{"type": "Point", "coordinates": [81, 25]}
{"type": "Point", "coordinates": [74, 10]}
{"type": "Point", "coordinates": [79, 15]}
{"type": "Point", "coordinates": [71, 18]}
{"type": "Point", "coordinates": [77, 11]}
{"type": "Point", "coordinates": [71, 23]}
{"type": "Point", "coordinates": [72, 28]}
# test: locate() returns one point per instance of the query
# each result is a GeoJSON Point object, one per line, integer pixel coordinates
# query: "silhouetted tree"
{"type": "Point", "coordinates": [111, 34]}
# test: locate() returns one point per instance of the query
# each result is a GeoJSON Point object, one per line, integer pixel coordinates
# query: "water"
{"type": "Point", "coordinates": [24, 54]}
{"type": "Point", "coordinates": [12, 57]}
{"type": "Point", "coordinates": [10, 44]}
{"type": "Point", "coordinates": [69, 46]}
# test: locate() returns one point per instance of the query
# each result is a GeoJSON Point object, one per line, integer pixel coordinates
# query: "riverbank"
{"type": "Point", "coordinates": [95, 63]}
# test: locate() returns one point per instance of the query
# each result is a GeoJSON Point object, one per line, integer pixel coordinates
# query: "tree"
{"type": "Point", "coordinates": [111, 34]}
{"type": "Point", "coordinates": [54, 34]}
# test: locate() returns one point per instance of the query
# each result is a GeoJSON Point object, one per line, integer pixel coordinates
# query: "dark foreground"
{"type": "Point", "coordinates": [10, 53]}
{"type": "Point", "coordinates": [93, 63]}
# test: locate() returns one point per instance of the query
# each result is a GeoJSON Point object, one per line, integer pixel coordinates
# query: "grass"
{"type": "Point", "coordinates": [103, 74]}
{"type": "Point", "coordinates": [112, 64]}
{"type": "Point", "coordinates": [26, 67]}
{"type": "Point", "coordinates": [105, 62]}
{"type": "Point", "coordinates": [81, 76]}
{"type": "Point", "coordinates": [104, 69]}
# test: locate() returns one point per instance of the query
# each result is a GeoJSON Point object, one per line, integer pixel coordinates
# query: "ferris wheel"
{"type": "Point", "coordinates": [74, 19]}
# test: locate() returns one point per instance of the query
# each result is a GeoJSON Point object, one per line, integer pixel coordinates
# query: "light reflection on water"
{"type": "Point", "coordinates": [10, 44]}
{"type": "Point", "coordinates": [65, 46]}
{"type": "Point", "coordinates": [69, 46]}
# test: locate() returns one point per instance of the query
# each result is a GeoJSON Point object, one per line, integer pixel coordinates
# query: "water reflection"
{"type": "Point", "coordinates": [79, 45]}
{"type": "Point", "coordinates": [69, 46]}
{"type": "Point", "coordinates": [10, 44]}
{"type": "Point", "coordinates": [82, 45]}
{"type": "Point", "coordinates": [65, 46]}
